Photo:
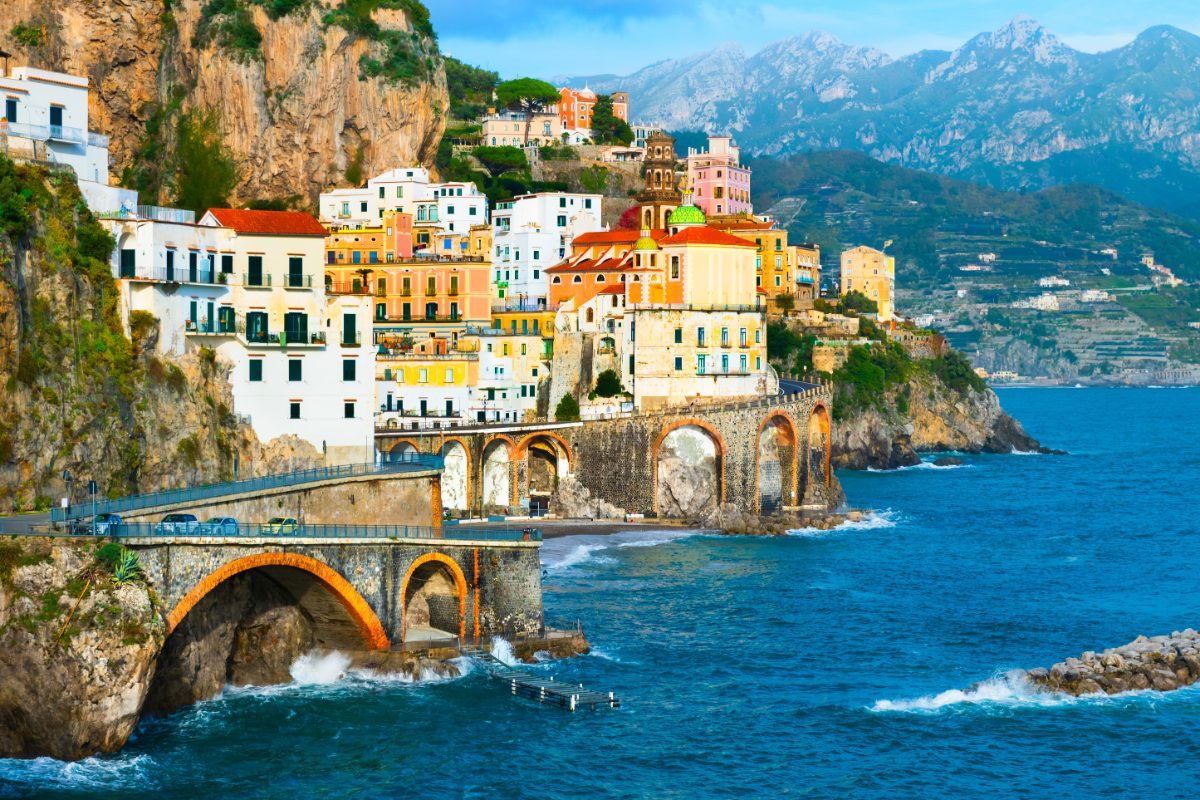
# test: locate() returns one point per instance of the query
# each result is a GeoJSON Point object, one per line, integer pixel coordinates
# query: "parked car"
{"type": "Point", "coordinates": [220, 526]}
{"type": "Point", "coordinates": [281, 525]}
{"type": "Point", "coordinates": [177, 524]}
{"type": "Point", "coordinates": [102, 525]}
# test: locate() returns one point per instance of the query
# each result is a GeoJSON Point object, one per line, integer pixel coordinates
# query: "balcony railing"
{"type": "Point", "coordinates": [97, 140]}
{"type": "Point", "coordinates": [523, 305]}
{"type": "Point", "coordinates": [203, 328]}
{"type": "Point", "coordinates": [161, 214]}
{"type": "Point", "coordinates": [46, 133]}
{"type": "Point", "coordinates": [346, 288]}
{"type": "Point", "coordinates": [354, 341]}
{"type": "Point", "coordinates": [262, 281]}
{"type": "Point", "coordinates": [297, 281]}
{"type": "Point", "coordinates": [177, 275]}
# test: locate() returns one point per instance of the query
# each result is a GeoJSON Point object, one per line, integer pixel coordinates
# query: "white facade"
{"type": "Point", "coordinates": [533, 232]}
{"type": "Point", "coordinates": [510, 367]}
{"type": "Point", "coordinates": [49, 110]}
{"type": "Point", "coordinates": [454, 206]}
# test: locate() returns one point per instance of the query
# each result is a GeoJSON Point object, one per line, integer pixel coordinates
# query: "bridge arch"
{"type": "Point", "coordinates": [359, 611]}
{"type": "Point", "coordinates": [456, 474]}
{"type": "Point", "coordinates": [400, 447]}
{"type": "Point", "coordinates": [819, 448]}
{"type": "Point", "coordinates": [775, 455]}
{"type": "Point", "coordinates": [546, 457]}
{"type": "Point", "coordinates": [426, 581]}
{"type": "Point", "coordinates": [687, 468]}
{"type": "Point", "coordinates": [497, 484]}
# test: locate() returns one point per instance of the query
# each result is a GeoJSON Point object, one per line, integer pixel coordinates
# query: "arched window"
{"type": "Point", "coordinates": [577, 279]}
{"type": "Point", "coordinates": [600, 278]}
{"type": "Point", "coordinates": [556, 279]}
{"type": "Point", "coordinates": [591, 315]}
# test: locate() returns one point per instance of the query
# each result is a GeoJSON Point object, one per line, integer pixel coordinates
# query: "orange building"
{"type": "Point", "coordinates": [575, 107]}
{"type": "Point", "coordinates": [598, 261]}
{"type": "Point", "coordinates": [352, 246]}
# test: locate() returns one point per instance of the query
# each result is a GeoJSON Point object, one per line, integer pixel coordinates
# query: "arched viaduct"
{"type": "Point", "coordinates": [762, 455]}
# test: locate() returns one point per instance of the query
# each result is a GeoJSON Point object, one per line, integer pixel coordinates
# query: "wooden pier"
{"type": "Point", "coordinates": [542, 690]}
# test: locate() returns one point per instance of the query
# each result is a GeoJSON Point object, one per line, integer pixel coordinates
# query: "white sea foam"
{"type": "Point", "coordinates": [502, 651]}
{"type": "Point", "coordinates": [569, 551]}
{"type": "Point", "coordinates": [871, 521]}
{"type": "Point", "coordinates": [320, 669]}
{"type": "Point", "coordinates": [921, 465]}
{"type": "Point", "coordinates": [106, 773]}
{"type": "Point", "coordinates": [1012, 690]}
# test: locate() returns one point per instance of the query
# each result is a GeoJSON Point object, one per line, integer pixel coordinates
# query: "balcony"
{"type": "Point", "coordinates": [203, 328]}
{"type": "Point", "coordinates": [285, 339]}
{"type": "Point", "coordinates": [97, 140]}
{"type": "Point", "coordinates": [161, 214]}
{"type": "Point", "coordinates": [347, 288]}
{"type": "Point", "coordinates": [46, 133]}
{"type": "Point", "coordinates": [176, 275]}
{"type": "Point", "coordinates": [353, 341]}
{"type": "Point", "coordinates": [291, 281]}
{"type": "Point", "coordinates": [262, 281]}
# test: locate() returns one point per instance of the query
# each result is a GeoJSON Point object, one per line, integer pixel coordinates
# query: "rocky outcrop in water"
{"type": "Point", "coordinates": [1161, 663]}
{"type": "Point", "coordinates": [573, 500]}
{"type": "Point", "coordinates": [730, 519]}
{"type": "Point", "coordinates": [924, 416]}
{"type": "Point", "coordinates": [77, 651]}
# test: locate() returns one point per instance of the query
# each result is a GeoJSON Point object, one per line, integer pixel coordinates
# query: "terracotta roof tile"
{"type": "Point", "coordinates": [706, 235]}
{"type": "Point", "coordinates": [614, 289]}
{"type": "Point", "coordinates": [619, 236]}
{"type": "Point", "coordinates": [276, 223]}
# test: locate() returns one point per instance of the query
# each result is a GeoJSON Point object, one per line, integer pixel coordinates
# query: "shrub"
{"type": "Point", "coordinates": [594, 179]}
{"type": "Point", "coordinates": [955, 371]}
{"type": "Point", "coordinates": [608, 384]}
{"type": "Point", "coordinates": [206, 173]}
{"type": "Point", "coordinates": [28, 35]}
{"type": "Point", "coordinates": [567, 409]}
{"type": "Point", "coordinates": [141, 323]}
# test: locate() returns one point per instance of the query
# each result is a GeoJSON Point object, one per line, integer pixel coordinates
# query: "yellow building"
{"type": "Point", "coordinates": [806, 261]}
{"type": "Point", "coordinates": [780, 268]}
{"type": "Point", "coordinates": [873, 273]}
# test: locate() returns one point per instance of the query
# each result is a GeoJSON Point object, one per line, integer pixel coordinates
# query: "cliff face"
{"type": "Point", "coordinates": [77, 650]}
{"type": "Point", "coordinates": [936, 419]}
{"type": "Point", "coordinates": [295, 114]}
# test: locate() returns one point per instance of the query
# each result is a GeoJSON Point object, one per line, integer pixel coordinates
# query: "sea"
{"type": "Point", "coordinates": [874, 660]}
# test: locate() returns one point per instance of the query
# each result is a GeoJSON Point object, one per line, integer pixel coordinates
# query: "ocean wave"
{"type": "Point", "coordinates": [922, 465]}
{"type": "Point", "coordinates": [1011, 689]}
{"type": "Point", "coordinates": [873, 520]}
{"type": "Point", "coordinates": [570, 551]}
{"type": "Point", "coordinates": [319, 669]}
{"type": "Point", "coordinates": [132, 773]}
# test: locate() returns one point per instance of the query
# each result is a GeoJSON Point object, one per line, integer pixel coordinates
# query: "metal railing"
{"type": "Point", "coordinates": [164, 214]}
{"type": "Point", "coordinates": [346, 288]}
{"type": "Point", "coordinates": [44, 133]}
{"type": "Point", "coordinates": [177, 274]}
{"type": "Point", "coordinates": [406, 462]}
{"type": "Point", "coordinates": [297, 281]}
{"type": "Point", "coordinates": [246, 530]}
{"type": "Point", "coordinates": [97, 140]}
{"type": "Point", "coordinates": [263, 280]}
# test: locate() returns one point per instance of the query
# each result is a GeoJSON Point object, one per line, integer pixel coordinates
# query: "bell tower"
{"type": "Point", "coordinates": [661, 196]}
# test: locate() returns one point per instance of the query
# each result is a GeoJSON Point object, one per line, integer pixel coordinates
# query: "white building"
{"type": "Point", "coordinates": [45, 118]}
{"type": "Point", "coordinates": [455, 206]}
{"type": "Point", "coordinates": [642, 132]}
{"type": "Point", "coordinates": [1053, 280]}
{"type": "Point", "coordinates": [533, 232]}
{"type": "Point", "coordinates": [510, 366]}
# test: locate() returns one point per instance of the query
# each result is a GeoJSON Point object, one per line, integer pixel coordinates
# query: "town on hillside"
{"type": "Point", "coordinates": [412, 304]}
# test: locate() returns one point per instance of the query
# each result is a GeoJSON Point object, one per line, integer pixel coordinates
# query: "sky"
{"type": "Point", "coordinates": [585, 37]}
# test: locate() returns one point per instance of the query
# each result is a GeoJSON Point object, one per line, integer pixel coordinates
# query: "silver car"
{"type": "Point", "coordinates": [177, 524]}
{"type": "Point", "coordinates": [219, 526]}
{"type": "Point", "coordinates": [102, 525]}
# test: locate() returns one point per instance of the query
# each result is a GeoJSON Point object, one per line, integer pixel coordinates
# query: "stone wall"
{"type": "Point", "coordinates": [400, 499]}
{"type": "Point", "coordinates": [508, 582]}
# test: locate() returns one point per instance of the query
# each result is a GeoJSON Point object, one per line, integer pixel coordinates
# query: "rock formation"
{"type": "Point", "coordinates": [76, 651]}
{"type": "Point", "coordinates": [1162, 663]}
{"type": "Point", "coordinates": [298, 110]}
{"type": "Point", "coordinates": [937, 419]}
{"type": "Point", "coordinates": [730, 519]}
{"type": "Point", "coordinates": [573, 500]}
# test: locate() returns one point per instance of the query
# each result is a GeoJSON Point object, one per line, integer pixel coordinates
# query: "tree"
{"type": "Point", "coordinates": [607, 127]}
{"type": "Point", "coordinates": [567, 409]}
{"type": "Point", "coordinates": [608, 383]}
{"type": "Point", "coordinates": [205, 171]}
{"type": "Point", "coordinates": [785, 303]}
{"type": "Point", "coordinates": [498, 160]}
{"type": "Point", "coordinates": [594, 179]}
{"type": "Point", "coordinates": [470, 88]}
{"type": "Point", "coordinates": [857, 301]}
{"type": "Point", "coordinates": [528, 95]}
{"type": "Point", "coordinates": [631, 220]}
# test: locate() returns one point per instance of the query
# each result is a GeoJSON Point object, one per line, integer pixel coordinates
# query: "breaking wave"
{"type": "Point", "coordinates": [319, 669]}
{"type": "Point", "coordinates": [921, 465]}
{"type": "Point", "coordinates": [95, 774]}
{"type": "Point", "coordinates": [570, 551]}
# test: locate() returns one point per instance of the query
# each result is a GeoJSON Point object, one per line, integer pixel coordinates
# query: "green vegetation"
{"type": "Point", "coordinates": [789, 351]}
{"type": "Point", "coordinates": [28, 35]}
{"type": "Point", "coordinates": [607, 127]}
{"type": "Point", "coordinates": [567, 409]}
{"type": "Point", "coordinates": [594, 179]}
{"type": "Point", "coordinates": [205, 171]}
{"type": "Point", "coordinates": [867, 373]}
{"type": "Point", "coordinates": [470, 89]}
{"type": "Point", "coordinates": [608, 384]}
{"type": "Point", "coordinates": [499, 160]}
{"type": "Point", "coordinates": [12, 556]}
{"type": "Point", "coordinates": [1164, 308]}
{"type": "Point", "coordinates": [230, 25]}
{"type": "Point", "coordinates": [530, 96]}
{"type": "Point", "coordinates": [354, 170]}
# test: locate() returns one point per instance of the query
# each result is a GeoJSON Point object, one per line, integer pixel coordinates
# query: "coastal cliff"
{"type": "Point", "coordinates": [924, 415]}
{"type": "Point", "coordinates": [308, 95]}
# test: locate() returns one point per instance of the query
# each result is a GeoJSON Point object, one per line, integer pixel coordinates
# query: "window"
{"type": "Point", "coordinates": [745, 358]}
{"type": "Point", "coordinates": [700, 337]}
{"type": "Point", "coordinates": [724, 363]}
{"type": "Point", "coordinates": [537, 255]}
{"type": "Point", "coordinates": [556, 279]}
{"type": "Point", "coordinates": [679, 336]}
{"type": "Point", "coordinates": [348, 409]}
{"type": "Point", "coordinates": [562, 221]}
{"type": "Point", "coordinates": [537, 273]}
{"type": "Point", "coordinates": [381, 311]}
{"type": "Point", "coordinates": [701, 363]}
{"type": "Point", "coordinates": [226, 263]}
{"type": "Point", "coordinates": [256, 326]}
{"type": "Point", "coordinates": [295, 271]}
{"type": "Point", "coordinates": [294, 409]}
{"type": "Point", "coordinates": [576, 279]}
{"type": "Point", "coordinates": [678, 363]}
{"type": "Point", "coordinates": [743, 340]}
{"type": "Point", "coordinates": [349, 369]}
{"type": "Point", "coordinates": [295, 327]}
{"type": "Point", "coordinates": [424, 377]}
{"type": "Point", "coordinates": [600, 278]}
{"type": "Point", "coordinates": [587, 203]}
{"type": "Point", "coordinates": [675, 268]}
{"type": "Point", "coordinates": [757, 336]}
{"type": "Point", "coordinates": [562, 202]}
{"type": "Point", "coordinates": [523, 349]}
{"type": "Point", "coordinates": [295, 369]}
{"type": "Point", "coordinates": [256, 370]}
{"type": "Point", "coordinates": [449, 377]}
{"type": "Point", "coordinates": [430, 286]}
{"type": "Point", "coordinates": [254, 275]}
{"type": "Point", "coordinates": [778, 281]}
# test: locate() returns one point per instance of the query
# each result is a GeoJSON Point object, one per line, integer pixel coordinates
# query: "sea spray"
{"type": "Point", "coordinates": [502, 651]}
{"type": "Point", "coordinates": [317, 668]}
{"type": "Point", "coordinates": [571, 551]}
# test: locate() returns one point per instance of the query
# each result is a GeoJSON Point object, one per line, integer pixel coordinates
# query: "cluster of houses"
{"type": "Point", "coordinates": [410, 303]}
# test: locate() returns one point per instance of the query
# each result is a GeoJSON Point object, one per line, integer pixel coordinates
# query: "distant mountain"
{"type": "Point", "coordinates": [1015, 108]}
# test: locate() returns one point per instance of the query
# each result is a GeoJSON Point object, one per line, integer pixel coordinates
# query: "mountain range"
{"type": "Point", "coordinates": [1015, 108]}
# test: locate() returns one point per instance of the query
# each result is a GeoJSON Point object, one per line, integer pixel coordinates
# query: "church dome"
{"type": "Point", "coordinates": [646, 241]}
{"type": "Point", "coordinates": [687, 215]}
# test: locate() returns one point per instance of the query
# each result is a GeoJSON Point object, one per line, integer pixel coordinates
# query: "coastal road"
{"type": "Point", "coordinates": [795, 387]}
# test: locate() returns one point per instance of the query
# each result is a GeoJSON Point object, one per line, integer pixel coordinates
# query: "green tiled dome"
{"type": "Point", "coordinates": [646, 242]}
{"type": "Point", "coordinates": [687, 215]}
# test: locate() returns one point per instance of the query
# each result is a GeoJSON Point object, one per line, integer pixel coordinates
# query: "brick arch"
{"type": "Point", "coordinates": [512, 466]}
{"type": "Point", "coordinates": [360, 611]}
{"type": "Point", "coordinates": [718, 440]}
{"type": "Point", "coordinates": [793, 430]}
{"type": "Point", "coordinates": [523, 447]}
{"type": "Point", "coordinates": [397, 442]}
{"type": "Point", "coordinates": [460, 585]}
{"type": "Point", "coordinates": [466, 451]}
{"type": "Point", "coordinates": [820, 416]}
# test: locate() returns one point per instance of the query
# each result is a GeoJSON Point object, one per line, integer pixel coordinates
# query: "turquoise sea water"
{"type": "Point", "coordinates": [824, 665]}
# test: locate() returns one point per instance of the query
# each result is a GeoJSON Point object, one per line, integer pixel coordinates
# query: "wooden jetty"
{"type": "Point", "coordinates": [542, 690]}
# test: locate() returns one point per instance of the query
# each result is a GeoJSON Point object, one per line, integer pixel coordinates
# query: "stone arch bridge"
{"type": "Point", "coordinates": [763, 455]}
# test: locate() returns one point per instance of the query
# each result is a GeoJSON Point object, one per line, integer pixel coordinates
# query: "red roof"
{"type": "Point", "coordinates": [706, 235]}
{"type": "Point", "coordinates": [590, 265]}
{"type": "Point", "coordinates": [271, 223]}
{"type": "Point", "coordinates": [743, 225]}
{"type": "Point", "coordinates": [618, 288]}
{"type": "Point", "coordinates": [619, 236]}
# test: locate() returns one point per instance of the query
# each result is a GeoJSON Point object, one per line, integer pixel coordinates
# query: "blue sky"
{"type": "Point", "coordinates": [518, 37]}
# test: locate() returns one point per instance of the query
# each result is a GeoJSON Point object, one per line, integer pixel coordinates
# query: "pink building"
{"type": "Point", "coordinates": [720, 183]}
